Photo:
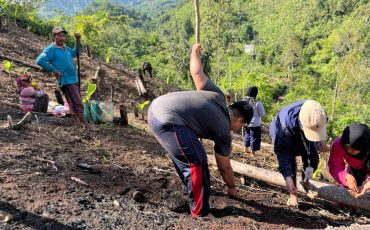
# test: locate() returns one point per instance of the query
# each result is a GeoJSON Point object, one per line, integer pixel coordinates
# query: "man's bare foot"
{"type": "Point", "coordinates": [246, 150]}
{"type": "Point", "coordinates": [293, 200]}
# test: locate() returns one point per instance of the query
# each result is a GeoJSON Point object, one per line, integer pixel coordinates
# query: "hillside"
{"type": "Point", "coordinates": [300, 49]}
{"type": "Point", "coordinates": [38, 162]}
{"type": "Point", "coordinates": [69, 7]}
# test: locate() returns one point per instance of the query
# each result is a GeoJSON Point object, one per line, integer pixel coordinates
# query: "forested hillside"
{"type": "Point", "coordinates": [52, 8]}
{"type": "Point", "coordinates": [54, 174]}
{"type": "Point", "coordinates": [297, 49]}
{"type": "Point", "coordinates": [303, 49]}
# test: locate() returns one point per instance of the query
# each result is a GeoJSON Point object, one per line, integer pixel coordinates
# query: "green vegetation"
{"type": "Point", "coordinates": [8, 66]}
{"type": "Point", "coordinates": [141, 106]}
{"type": "Point", "coordinates": [300, 49]}
{"type": "Point", "coordinates": [90, 90]}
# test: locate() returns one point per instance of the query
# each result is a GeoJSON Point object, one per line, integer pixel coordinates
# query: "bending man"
{"type": "Point", "coordinates": [178, 119]}
{"type": "Point", "coordinates": [298, 130]}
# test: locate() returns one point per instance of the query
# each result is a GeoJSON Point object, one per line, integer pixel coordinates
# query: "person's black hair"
{"type": "Point", "coordinates": [243, 109]}
{"type": "Point", "coordinates": [252, 91]}
{"type": "Point", "coordinates": [357, 136]}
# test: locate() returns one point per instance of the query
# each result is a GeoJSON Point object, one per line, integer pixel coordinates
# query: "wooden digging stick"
{"type": "Point", "coordinates": [197, 21]}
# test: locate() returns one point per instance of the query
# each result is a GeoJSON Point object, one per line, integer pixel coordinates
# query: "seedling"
{"type": "Point", "coordinates": [90, 90]}
{"type": "Point", "coordinates": [319, 169]}
{"type": "Point", "coordinates": [140, 108]}
{"type": "Point", "coordinates": [8, 66]}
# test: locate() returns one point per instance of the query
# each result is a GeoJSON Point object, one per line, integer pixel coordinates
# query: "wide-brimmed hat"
{"type": "Point", "coordinates": [58, 29]}
{"type": "Point", "coordinates": [313, 119]}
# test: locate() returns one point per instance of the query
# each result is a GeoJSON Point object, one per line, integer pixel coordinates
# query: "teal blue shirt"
{"type": "Point", "coordinates": [56, 59]}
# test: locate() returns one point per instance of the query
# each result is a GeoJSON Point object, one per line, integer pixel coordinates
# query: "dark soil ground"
{"type": "Point", "coordinates": [37, 164]}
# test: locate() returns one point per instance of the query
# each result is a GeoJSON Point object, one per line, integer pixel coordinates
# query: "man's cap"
{"type": "Point", "coordinates": [313, 119]}
{"type": "Point", "coordinates": [58, 29]}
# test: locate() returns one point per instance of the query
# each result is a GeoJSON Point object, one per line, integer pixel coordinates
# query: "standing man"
{"type": "Point", "coordinates": [58, 59]}
{"type": "Point", "coordinates": [298, 130]}
{"type": "Point", "coordinates": [179, 119]}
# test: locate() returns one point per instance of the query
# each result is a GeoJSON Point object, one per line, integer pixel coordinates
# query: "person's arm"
{"type": "Point", "coordinates": [283, 150]}
{"type": "Point", "coordinates": [196, 68]}
{"type": "Point", "coordinates": [261, 109]}
{"type": "Point", "coordinates": [43, 60]}
{"type": "Point", "coordinates": [364, 190]}
{"type": "Point", "coordinates": [74, 51]}
{"type": "Point", "coordinates": [227, 173]}
{"type": "Point", "coordinates": [337, 165]}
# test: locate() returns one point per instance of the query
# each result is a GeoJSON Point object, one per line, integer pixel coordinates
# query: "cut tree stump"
{"type": "Point", "coordinates": [96, 80]}
{"type": "Point", "coordinates": [123, 114]}
{"type": "Point", "coordinates": [325, 191]}
{"type": "Point", "coordinates": [134, 108]}
{"type": "Point", "coordinates": [140, 86]}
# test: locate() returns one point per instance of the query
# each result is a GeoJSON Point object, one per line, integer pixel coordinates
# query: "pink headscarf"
{"type": "Point", "coordinates": [22, 81]}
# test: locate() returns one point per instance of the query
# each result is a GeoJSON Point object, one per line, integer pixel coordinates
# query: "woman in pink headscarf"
{"type": "Point", "coordinates": [349, 161]}
{"type": "Point", "coordinates": [31, 98]}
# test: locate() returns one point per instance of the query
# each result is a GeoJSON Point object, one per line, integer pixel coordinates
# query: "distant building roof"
{"type": "Point", "coordinates": [250, 48]}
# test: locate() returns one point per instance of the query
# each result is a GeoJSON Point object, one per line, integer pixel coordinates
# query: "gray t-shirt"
{"type": "Point", "coordinates": [258, 113]}
{"type": "Point", "coordinates": [204, 111]}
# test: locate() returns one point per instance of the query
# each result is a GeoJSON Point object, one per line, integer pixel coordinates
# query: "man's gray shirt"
{"type": "Point", "coordinates": [204, 111]}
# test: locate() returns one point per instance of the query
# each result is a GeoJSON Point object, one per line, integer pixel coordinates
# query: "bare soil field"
{"type": "Point", "coordinates": [45, 181]}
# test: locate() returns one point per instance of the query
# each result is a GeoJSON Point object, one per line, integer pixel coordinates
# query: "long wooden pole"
{"type": "Point", "coordinates": [325, 191]}
{"type": "Point", "coordinates": [333, 106]}
{"type": "Point", "coordinates": [78, 63]}
{"type": "Point", "coordinates": [197, 21]}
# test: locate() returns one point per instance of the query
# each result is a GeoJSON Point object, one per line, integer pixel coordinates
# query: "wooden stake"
{"type": "Point", "coordinates": [140, 86]}
{"type": "Point", "coordinates": [197, 21]}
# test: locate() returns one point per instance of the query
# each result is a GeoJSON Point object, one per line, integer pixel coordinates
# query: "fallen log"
{"type": "Point", "coordinates": [25, 120]}
{"type": "Point", "coordinates": [20, 62]}
{"type": "Point", "coordinates": [325, 191]}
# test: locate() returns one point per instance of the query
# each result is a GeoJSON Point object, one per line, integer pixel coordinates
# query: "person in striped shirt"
{"type": "Point", "coordinates": [31, 98]}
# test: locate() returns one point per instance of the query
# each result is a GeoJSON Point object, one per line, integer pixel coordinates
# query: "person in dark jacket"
{"type": "Point", "coordinates": [298, 130]}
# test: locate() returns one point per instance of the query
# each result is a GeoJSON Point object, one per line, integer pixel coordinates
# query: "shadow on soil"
{"type": "Point", "coordinates": [30, 219]}
{"type": "Point", "coordinates": [272, 215]}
